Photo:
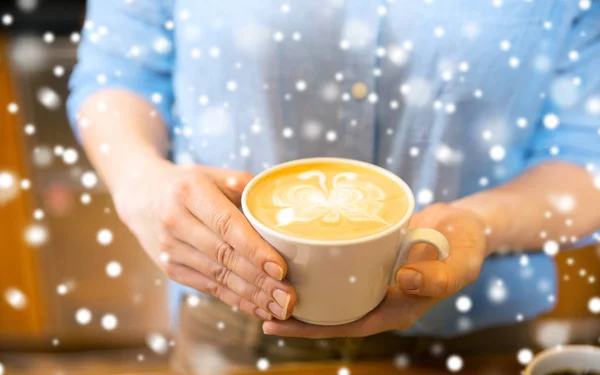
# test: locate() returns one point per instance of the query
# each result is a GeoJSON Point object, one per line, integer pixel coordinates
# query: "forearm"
{"type": "Point", "coordinates": [554, 201]}
{"type": "Point", "coordinates": [122, 135]}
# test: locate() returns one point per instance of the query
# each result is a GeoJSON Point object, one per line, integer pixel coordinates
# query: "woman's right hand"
{"type": "Point", "coordinates": [187, 220]}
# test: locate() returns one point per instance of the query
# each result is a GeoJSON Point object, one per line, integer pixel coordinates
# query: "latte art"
{"type": "Point", "coordinates": [327, 201]}
{"type": "Point", "coordinates": [349, 197]}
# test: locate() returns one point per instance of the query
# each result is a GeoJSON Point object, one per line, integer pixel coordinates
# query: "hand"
{"type": "Point", "coordinates": [419, 284]}
{"type": "Point", "coordinates": [187, 220]}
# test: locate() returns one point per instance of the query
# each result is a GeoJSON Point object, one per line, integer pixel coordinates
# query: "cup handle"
{"type": "Point", "coordinates": [420, 235]}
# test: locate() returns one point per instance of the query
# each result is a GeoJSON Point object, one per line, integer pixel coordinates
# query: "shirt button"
{"type": "Point", "coordinates": [360, 90]}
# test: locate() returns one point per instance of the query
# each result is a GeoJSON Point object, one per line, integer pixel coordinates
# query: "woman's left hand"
{"type": "Point", "coordinates": [419, 284]}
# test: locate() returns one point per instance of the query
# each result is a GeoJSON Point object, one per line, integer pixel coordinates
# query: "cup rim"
{"type": "Point", "coordinates": [256, 223]}
{"type": "Point", "coordinates": [558, 349]}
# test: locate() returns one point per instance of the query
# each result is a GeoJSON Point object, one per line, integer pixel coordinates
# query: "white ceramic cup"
{"type": "Point", "coordinates": [338, 282]}
{"type": "Point", "coordinates": [571, 357]}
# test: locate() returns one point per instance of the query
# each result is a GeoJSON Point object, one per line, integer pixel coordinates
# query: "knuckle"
{"type": "Point", "coordinates": [441, 284]}
{"type": "Point", "coordinates": [245, 177]}
{"type": "Point", "coordinates": [169, 219]}
{"type": "Point", "coordinates": [179, 189]}
{"type": "Point", "coordinates": [170, 269]}
{"type": "Point", "coordinates": [255, 295]}
{"type": "Point", "coordinates": [225, 255]}
{"type": "Point", "coordinates": [223, 222]}
{"type": "Point", "coordinates": [260, 279]}
{"type": "Point", "coordinates": [165, 244]}
{"type": "Point", "coordinates": [221, 274]}
{"type": "Point", "coordinates": [213, 289]}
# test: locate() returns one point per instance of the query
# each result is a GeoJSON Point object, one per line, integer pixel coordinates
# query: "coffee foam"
{"type": "Point", "coordinates": [327, 201]}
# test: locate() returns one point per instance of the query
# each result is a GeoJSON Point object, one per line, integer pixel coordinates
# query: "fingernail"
{"type": "Point", "coordinates": [277, 310]}
{"type": "Point", "coordinates": [409, 280]}
{"type": "Point", "coordinates": [263, 314]}
{"type": "Point", "coordinates": [274, 270]}
{"type": "Point", "coordinates": [282, 298]}
{"type": "Point", "coordinates": [265, 328]}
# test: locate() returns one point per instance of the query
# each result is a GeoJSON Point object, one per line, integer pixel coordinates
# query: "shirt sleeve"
{"type": "Point", "coordinates": [125, 44]}
{"type": "Point", "coordinates": [569, 127]}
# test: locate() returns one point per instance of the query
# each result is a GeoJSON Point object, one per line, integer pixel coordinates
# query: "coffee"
{"type": "Point", "coordinates": [575, 372]}
{"type": "Point", "coordinates": [327, 201]}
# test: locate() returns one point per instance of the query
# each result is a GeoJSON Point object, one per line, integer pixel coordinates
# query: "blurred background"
{"type": "Point", "coordinates": [71, 275]}
{"type": "Point", "coordinates": [77, 292]}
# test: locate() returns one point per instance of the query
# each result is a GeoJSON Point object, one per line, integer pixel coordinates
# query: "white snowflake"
{"type": "Point", "coordinates": [287, 133]}
{"type": "Point", "coordinates": [505, 45]}
{"type": "Point", "coordinates": [109, 322]}
{"type": "Point", "coordinates": [104, 237]}
{"type": "Point", "coordinates": [296, 36]}
{"type": "Point", "coordinates": [36, 235]}
{"type": "Point", "coordinates": [263, 364]}
{"type": "Point", "coordinates": [585, 4]}
{"type": "Point", "coordinates": [483, 181]}
{"type": "Point", "coordinates": [214, 52]}
{"type": "Point", "coordinates": [522, 122]}
{"type": "Point", "coordinates": [397, 55]}
{"type": "Point", "coordinates": [497, 292]}
{"type": "Point", "coordinates": [15, 298]}
{"type": "Point", "coordinates": [157, 343]}
{"type": "Point", "coordinates": [7, 19]}
{"type": "Point", "coordinates": [13, 108]}
{"type": "Point", "coordinates": [278, 36]}
{"type": "Point", "coordinates": [301, 85]}
{"type": "Point", "coordinates": [232, 85]}
{"type": "Point", "coordinates": [352, 279]}
{"type": "Point", "coordinates": [524, 356]}
{"type": "Point", "coordinates": [563, 203]}
{"type": "Point", "coordinates": [89, 179]}
{"type": "Point", "coordinates": [424, 196]}
{"type": "Point", "coordinates": [62, 289]}
{"type": "Point", "coordinates": [331, 136]}
{"type": "Point", "coordinates": [497, 153]}
{"type": "Point", "coordinates": [70, 156]}
{"type": "Point", "coordinates": [594, 305]}
{"type": "Point", "coordinates": [464, 304]}
{"type": "Point", "coordinates": [83, 316]}
{"type": "Point", "coordinates": [244, 151]}
{"type": "Point", "coordinates": [75, 37]}
{"type": "Point", "coordinates": [514, 62]}
{"type": "Point", "coordinates": [551, 248]}
{"type": "Point", "coordinates": [48, 37]}
{"type": "Point", "coordinates": [439, 32]}
{"type": "Point", "coordinates": [592, 106]}
{"type": "Point", "coordinates": [573, 55]}
{"type": "Point", "coordinates": [454, 363]}
{"type": "Point", "coordinates": [551, 121]}
{"type": "Point", "coordinates": [343, 371]}
{"type": "Point", "coordinates": [113, 269]}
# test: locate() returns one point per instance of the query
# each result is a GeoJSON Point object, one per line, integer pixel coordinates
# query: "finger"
{"type": "Point", "coordinates": [440, 279]}
{"type": "Point", "coordinates": [187, 255]}
{"type": "Point", "coordinates": [223, 257]}
{"type": "Point", "coordinates": [210, 206]}
{"type": "Point", "coordinates": [189, 277]}
{"type": "Point", "coordinates": [397, 311]}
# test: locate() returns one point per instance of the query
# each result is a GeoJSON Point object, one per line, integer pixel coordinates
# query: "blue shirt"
{"type": "Point", "coordinates": [454, 96]}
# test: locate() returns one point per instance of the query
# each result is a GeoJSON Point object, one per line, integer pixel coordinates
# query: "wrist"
{"type": "Point", "coordinates": [137, 170]}
{"type": "Point", "coordinates": [493, 209]}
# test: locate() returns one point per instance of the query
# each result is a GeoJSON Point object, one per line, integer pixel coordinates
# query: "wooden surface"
{"type": "Point", "coordinates": [19, 266]}
{"type": "Point", "coordinates": [125, 362]}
